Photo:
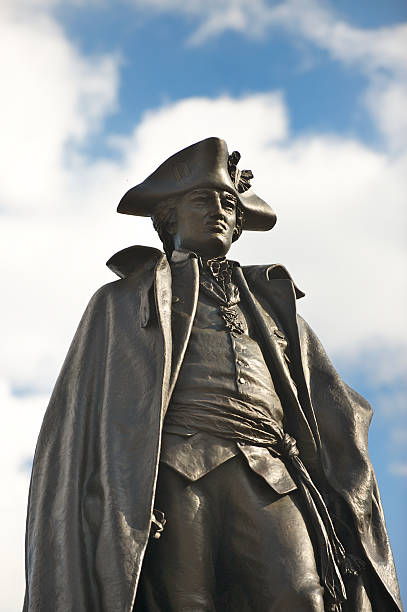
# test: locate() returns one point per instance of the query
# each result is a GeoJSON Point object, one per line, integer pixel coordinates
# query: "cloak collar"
{"type": "Point", "coordinates": [135, 258]}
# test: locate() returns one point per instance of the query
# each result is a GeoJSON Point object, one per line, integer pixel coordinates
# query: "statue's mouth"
{"type": "Point", "coordinates": [217, 227]}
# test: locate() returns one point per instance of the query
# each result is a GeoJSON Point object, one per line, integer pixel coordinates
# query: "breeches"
{"type": "Point", "coordinates": [230, 544]}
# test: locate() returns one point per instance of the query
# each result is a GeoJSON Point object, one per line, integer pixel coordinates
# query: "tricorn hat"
{"type": "Point", "coordinates": [205, 164]}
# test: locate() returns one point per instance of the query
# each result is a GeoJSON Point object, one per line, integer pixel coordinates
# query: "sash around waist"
{"type": "Point", "coordinates": [246, 428]}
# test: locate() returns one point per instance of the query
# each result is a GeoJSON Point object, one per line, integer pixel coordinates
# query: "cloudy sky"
{"type": "Point", "coordinates": [95, 94]}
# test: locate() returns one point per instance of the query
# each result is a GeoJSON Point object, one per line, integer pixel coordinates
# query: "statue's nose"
{"type": "Point", "coordinates": [216, 206]}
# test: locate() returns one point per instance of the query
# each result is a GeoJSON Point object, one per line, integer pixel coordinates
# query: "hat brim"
{"type": "Point", "coordinates": [199, 166]}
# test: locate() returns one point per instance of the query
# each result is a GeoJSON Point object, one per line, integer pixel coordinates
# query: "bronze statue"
{"type": "Point", "coordinates": [200, 452]}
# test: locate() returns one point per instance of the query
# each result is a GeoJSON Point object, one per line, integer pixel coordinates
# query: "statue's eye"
{"type": "Point", "coordinates": [229, 203]}
{"type": "Point", "coordinates": [199, 202]}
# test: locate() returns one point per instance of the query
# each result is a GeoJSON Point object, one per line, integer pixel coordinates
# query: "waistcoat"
{"type": "Point", "coordinates": [225, 369]}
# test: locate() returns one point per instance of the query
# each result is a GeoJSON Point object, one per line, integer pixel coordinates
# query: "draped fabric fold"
{"type": "Point", "coordinates": [88, 524]}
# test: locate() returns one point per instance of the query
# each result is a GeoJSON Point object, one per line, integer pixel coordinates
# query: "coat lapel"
{"type": "Point", "coordinates": [274, 309]}
{"type": "Point", "coordinates": [163, 293]}
{"type": "Point", "coordinates": [176, 295]}
{"type": "Point", "coordinates": [185, 289]}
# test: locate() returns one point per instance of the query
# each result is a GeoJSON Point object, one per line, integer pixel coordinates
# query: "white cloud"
{"type": "Point", "coordinates": [380, 54]}
{"type": "Point", "coordinates": [386, 100]}
{"type": "Point", "coordinates": [215, 16]}
{"type": "Point", "coordinates": [377, 53]}
{"type": "Point", "coordinates": [378, 48]}
{"type": "Point", "coordinates": [398, 469]}
{"type": "Point", "coordinates": [334, 196]}
{"type": "Point", "coordinates": [21, 419]}
{"type": "Point", "coordinates": [259, 120]}
{"type": "Point", "coordinates": [316, 21]}
{"type": "Point", "coordinates": [340, 205]}
{"type": "Point", "coordinates": [54, 97]}
{"type": "Point", "coordinates": [340, 230]}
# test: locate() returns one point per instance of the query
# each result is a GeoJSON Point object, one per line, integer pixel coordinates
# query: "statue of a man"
{"type": "Point", "coordinates": [200, 452]}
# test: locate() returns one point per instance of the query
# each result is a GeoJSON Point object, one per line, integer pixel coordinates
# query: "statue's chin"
{"type": "Point", "coordinates": [215, 245]}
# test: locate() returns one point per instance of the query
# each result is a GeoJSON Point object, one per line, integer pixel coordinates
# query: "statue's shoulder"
{"type": "Point", "coordinates": [135, 268]}
{"type": "Point", "coordinates": [267, 271]}
{"type": "Point", "coordinates": [270, 272]}
{"type": "Point", "coordinates": [133, 260]}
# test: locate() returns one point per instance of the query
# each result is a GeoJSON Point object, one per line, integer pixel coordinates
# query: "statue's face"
{"type": "Point", "coordinates": [205, 222]}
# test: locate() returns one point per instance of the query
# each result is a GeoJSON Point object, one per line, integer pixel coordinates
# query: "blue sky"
{"type": "Point", "coordinates": [162, 64]}
{"type": "Point", "coordinates": [96, 94]}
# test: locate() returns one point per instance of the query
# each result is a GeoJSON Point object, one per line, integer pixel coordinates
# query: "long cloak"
{"type": "Point", "coordinates": [96, 462]}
